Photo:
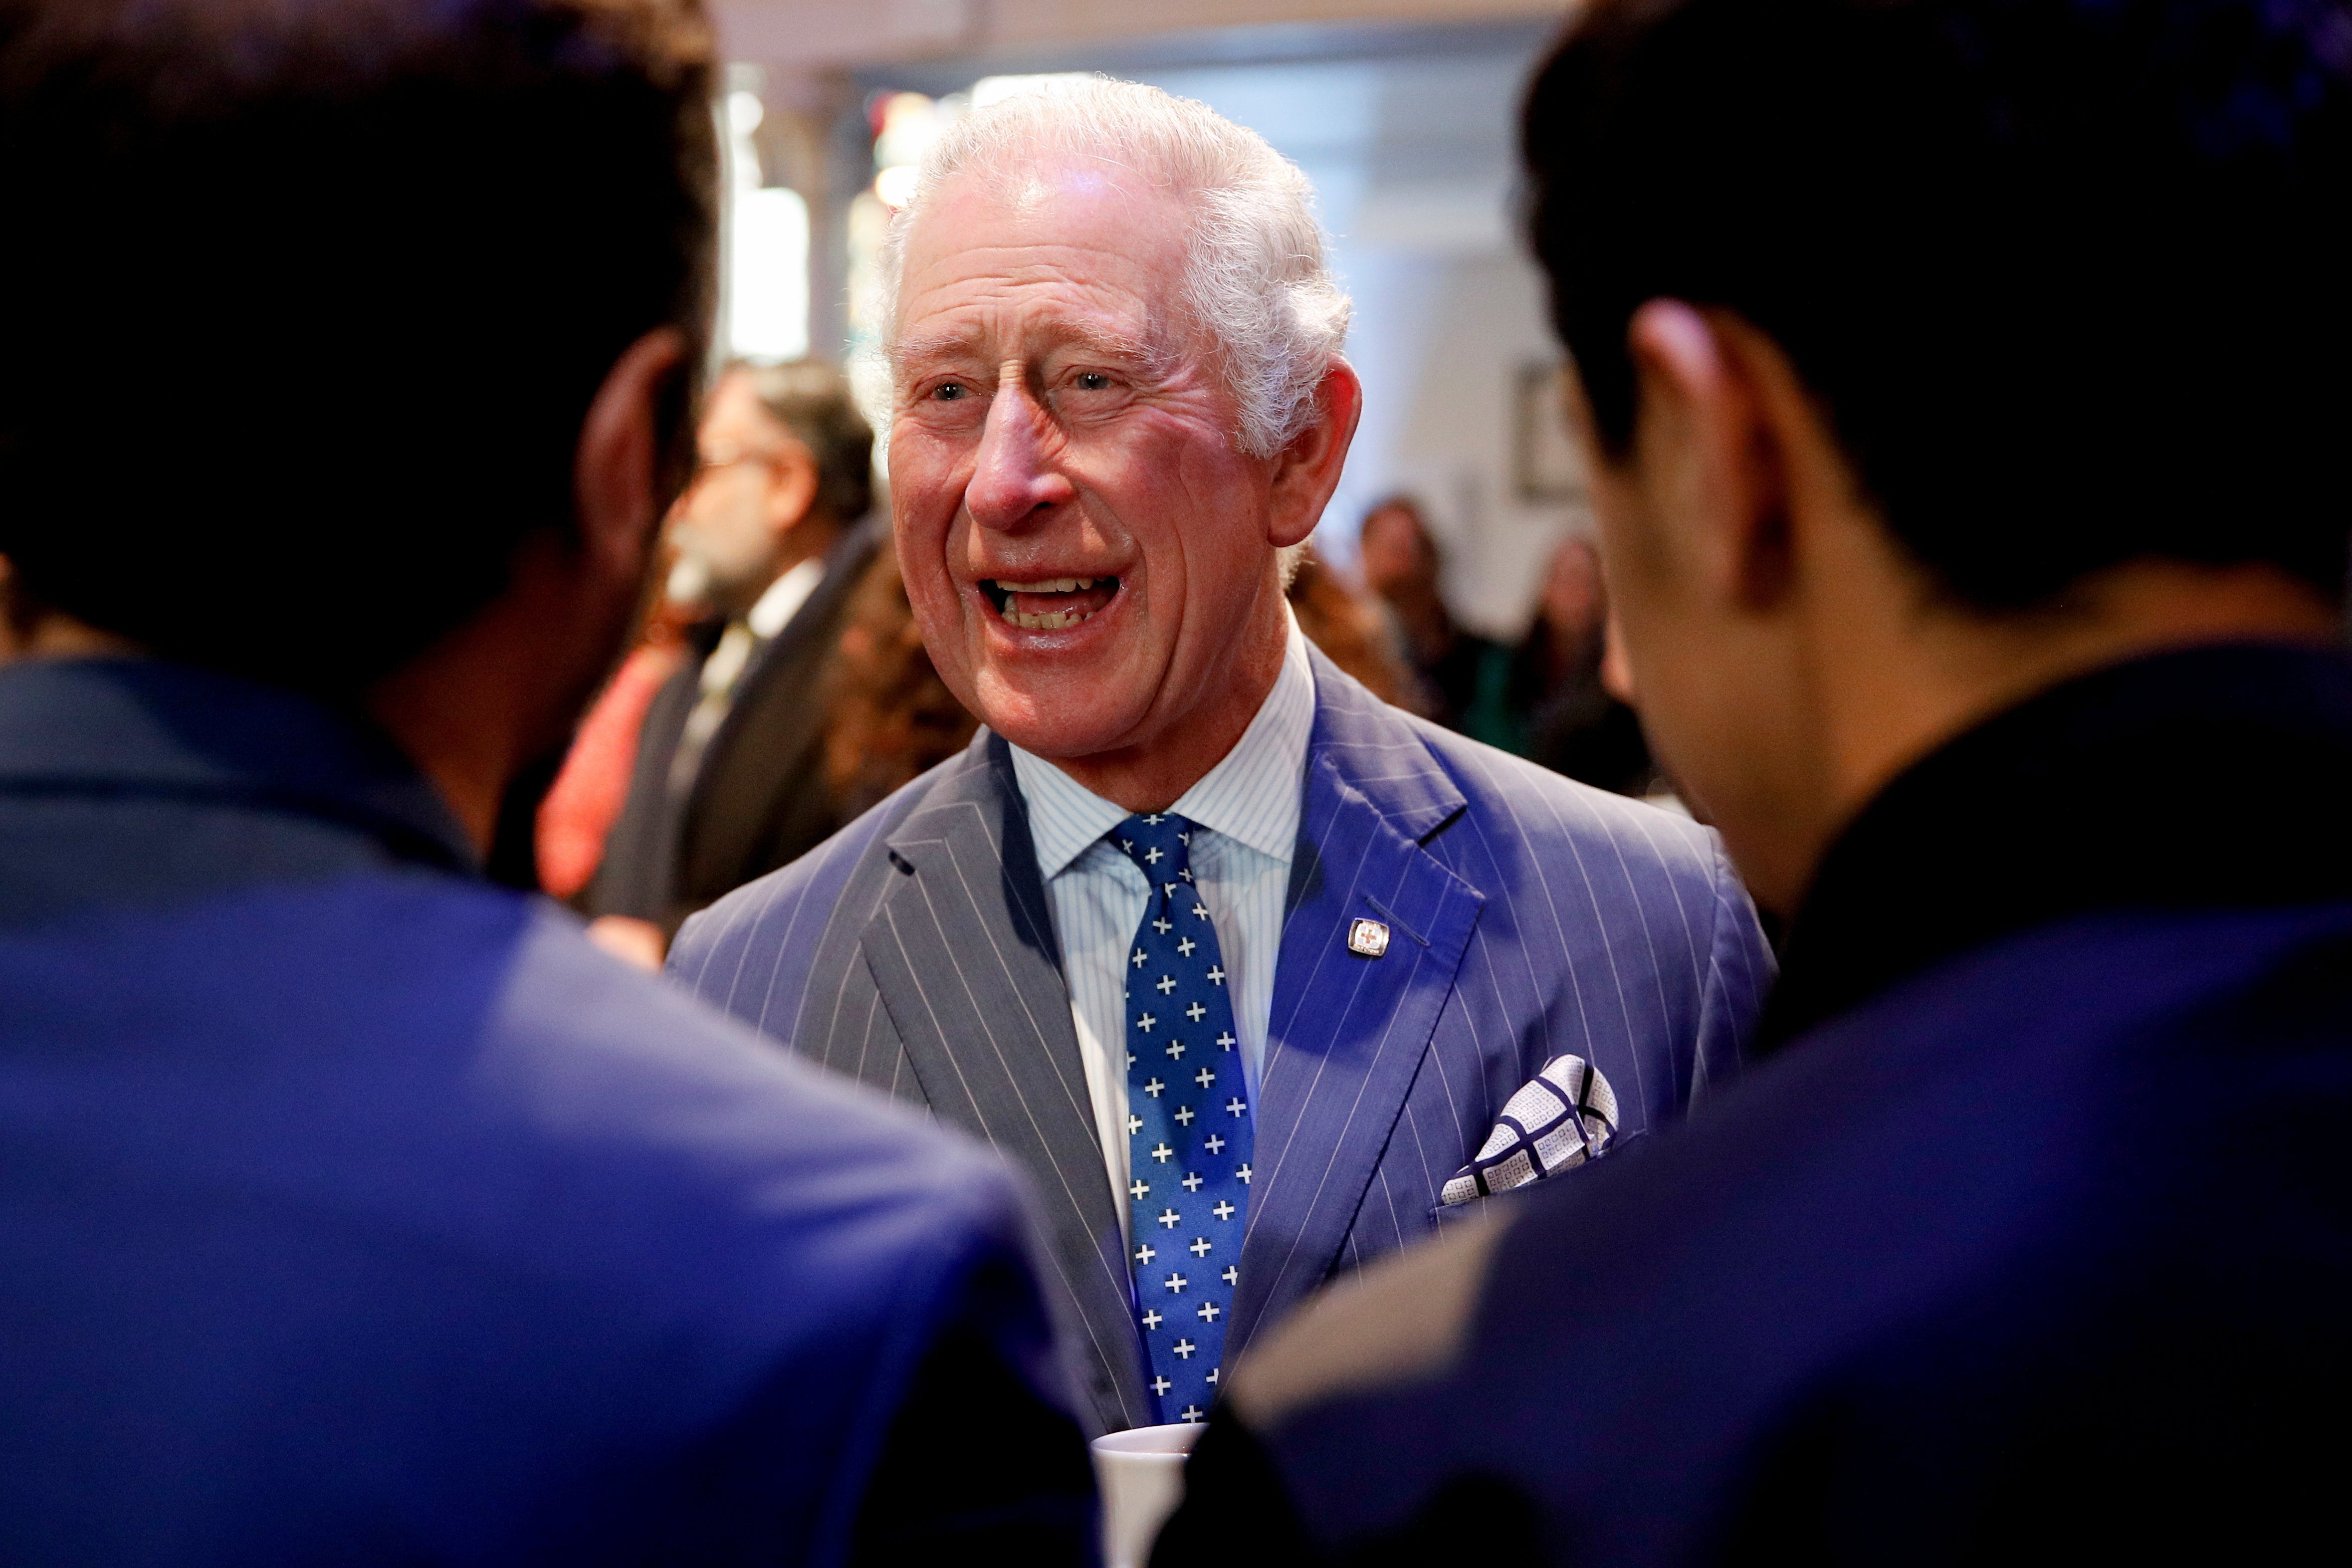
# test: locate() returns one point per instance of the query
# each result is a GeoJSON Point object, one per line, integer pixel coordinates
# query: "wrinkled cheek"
{"type": "Point", "coordinates": [923, 569]}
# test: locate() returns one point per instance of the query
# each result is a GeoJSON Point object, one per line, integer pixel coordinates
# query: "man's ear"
{"type": "Point", "coordinates": [1307, 471]}
{"type": "Point", "coordinates": [792, 487]}
{"type": "Point", "coordinates": [616, 468]}
{"type": "Point", "coordinates": [1709, 450]}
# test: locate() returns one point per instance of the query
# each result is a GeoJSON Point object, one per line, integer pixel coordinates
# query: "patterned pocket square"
{"type": "Point", "coordinates": [1564, 1116]}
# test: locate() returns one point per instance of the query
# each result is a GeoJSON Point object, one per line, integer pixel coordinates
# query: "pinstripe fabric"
{"type": "Point", "coordinates": [1249, 803]}
{"type": "Point", "coordinates": [1532, 917]}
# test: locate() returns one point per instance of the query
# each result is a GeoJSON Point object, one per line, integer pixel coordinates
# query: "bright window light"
{"type": "Point", "coordinates": [768, 262]}
{"type": "Point", "coordinates": [896, 184]}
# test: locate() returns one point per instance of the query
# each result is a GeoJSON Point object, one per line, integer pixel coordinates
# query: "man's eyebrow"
{"type": "Point", "coordinates": [1086, 339]}
{"type": "Point", "coordinates": [932, 346]}
{"type": "Point", "coordinates": [1109, 345]}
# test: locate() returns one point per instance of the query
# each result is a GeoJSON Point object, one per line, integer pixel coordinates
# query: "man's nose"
{"type": "Point", "coordinates": [1013, 478]}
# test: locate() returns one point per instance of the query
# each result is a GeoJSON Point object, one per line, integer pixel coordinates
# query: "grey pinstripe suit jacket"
{"type": "Point", "coordinates": [1531, 916]}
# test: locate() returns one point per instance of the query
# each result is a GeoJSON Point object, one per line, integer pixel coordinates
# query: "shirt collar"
{"type": "Point", "coordinates": [776, 608]}
{"type": "Point", "coordinates": [1251, 795]}
{"type": "Point", "coordinates": [2170, 782]}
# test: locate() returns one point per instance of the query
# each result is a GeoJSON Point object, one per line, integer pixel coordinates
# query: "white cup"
{"type": "Point", "coordinates": [1141, 1473]}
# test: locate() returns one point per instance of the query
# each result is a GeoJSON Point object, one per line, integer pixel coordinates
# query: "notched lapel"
{"type": "Point", "coordinates": [1348, 1033]}
{"type": "Point", "coordinates": [961, 948]}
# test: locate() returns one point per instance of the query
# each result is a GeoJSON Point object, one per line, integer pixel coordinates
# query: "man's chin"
{"type": "Point", "coordinates": [1065, 723]}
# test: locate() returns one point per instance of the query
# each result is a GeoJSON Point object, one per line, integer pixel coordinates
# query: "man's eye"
{"type": "Point", "coordinates": [1093, 380]}
{"type": "Point", "coordinates": [950, 391]}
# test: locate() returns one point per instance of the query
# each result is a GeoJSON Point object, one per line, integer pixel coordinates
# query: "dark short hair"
{"type": "Point", "coordinates": [811, 399]}
{"type": "Point", "coordinates": [2069, 277]}
{"type": "Point", "coordinates": [305, 301]}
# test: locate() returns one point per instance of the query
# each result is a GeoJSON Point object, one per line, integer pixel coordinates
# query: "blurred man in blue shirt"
{"type": "Point", "coordinates": [353, 1209]}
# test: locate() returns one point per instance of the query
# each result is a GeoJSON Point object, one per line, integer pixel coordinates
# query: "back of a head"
{"type": "Point", "coordinates": [305, 302]}
{"type": "Point", "coordinates": [2067, 276]}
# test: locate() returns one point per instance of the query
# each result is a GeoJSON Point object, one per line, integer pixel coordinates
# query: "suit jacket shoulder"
{"type": "Point", "coordinates": [1925, 1279]}
{"type": "Point", "coordinates": [751, 953]}
{"type": "Point", "coordinates": [560, 1262]}
{"type": "Point", "coordinates": [1604, 920]}
{"type": "Point", "coordinates": [1648, 893]}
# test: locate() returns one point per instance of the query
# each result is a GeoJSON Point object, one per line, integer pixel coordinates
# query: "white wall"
{"type": "Point", "coordinates": [1454, 436]}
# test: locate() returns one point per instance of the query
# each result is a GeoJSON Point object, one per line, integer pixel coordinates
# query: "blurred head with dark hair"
{"type": "Point", "coordinates": [2062, 274]}
{"type": "Point", "coordinates": [375, 262]}
{"type": "Point", "coordinates": [1932, 350]}
{"type": "Point", "coordinates": [1398, 554]}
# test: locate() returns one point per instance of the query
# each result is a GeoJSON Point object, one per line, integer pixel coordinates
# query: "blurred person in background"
{"type": "Point", "coordinates": [1350, 629]}
{"type": "Point", "coordinates": [773, 536]}
{"type": "Point", "coordinates": [1350, 937]}
{"type": "Point", "coordinates": [355, 1209]}
{"type": "Point", "coordinates": [1555, 708]}
{"type": "Point", "coordinates": [1963, 386]}
{"type": "Point", "coordinates": [577, 814]}
{"type": "Point", "coordinates": [1402, 568]}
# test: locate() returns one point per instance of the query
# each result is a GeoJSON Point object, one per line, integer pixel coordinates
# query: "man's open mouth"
{"type": "Point", "coordinates": [1049, 603]}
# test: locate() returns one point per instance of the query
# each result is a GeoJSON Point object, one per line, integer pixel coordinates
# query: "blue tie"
{"type": "Point", "coordinates": [1188, 1125]}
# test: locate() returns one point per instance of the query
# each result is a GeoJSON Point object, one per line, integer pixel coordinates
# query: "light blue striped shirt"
{"type": "Point", "coordinates": [1249, 803]}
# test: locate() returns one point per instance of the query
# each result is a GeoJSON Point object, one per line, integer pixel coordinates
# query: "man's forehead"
{"type": "Point", "coordinates": [1075, 255]}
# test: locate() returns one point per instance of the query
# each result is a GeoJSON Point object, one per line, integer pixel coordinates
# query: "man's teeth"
{"type": "Point", "coordinates": [1050, 620]}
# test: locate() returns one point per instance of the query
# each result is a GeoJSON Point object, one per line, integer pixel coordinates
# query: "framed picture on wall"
{"type": "Point", "coordinates": [1546, 465]}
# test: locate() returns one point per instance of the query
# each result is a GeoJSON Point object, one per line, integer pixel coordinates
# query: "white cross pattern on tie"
{"type": "Point", "coordinates": [1175, 1122]}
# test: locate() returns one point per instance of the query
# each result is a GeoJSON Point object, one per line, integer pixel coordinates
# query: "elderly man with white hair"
{"type": "Point", "coordinates": [1242, 963]}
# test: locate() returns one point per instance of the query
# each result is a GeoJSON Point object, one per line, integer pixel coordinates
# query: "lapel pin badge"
{"type": "Point", "coordinates": [1368, 938]}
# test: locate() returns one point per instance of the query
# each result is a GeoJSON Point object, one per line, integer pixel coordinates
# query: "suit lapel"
{"type": "Point", "coordinates": [961, 948]}
{"type": "Point", "coordinates": [1346, 1034]}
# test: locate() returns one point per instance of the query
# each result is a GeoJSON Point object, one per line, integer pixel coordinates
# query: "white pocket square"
{"type": "Point", "coordinates": [1562, 1117]}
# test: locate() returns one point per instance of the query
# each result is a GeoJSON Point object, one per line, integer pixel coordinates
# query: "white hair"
{"type": "Point", "coordinates": [1256, 276]}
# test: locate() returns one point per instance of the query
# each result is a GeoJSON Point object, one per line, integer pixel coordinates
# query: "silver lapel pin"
{"type": "Point", "coordinates": [1368, 938]}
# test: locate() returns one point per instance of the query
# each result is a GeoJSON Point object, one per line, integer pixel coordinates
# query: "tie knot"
{"type": "Point", "coordinates": [1160, 845]}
